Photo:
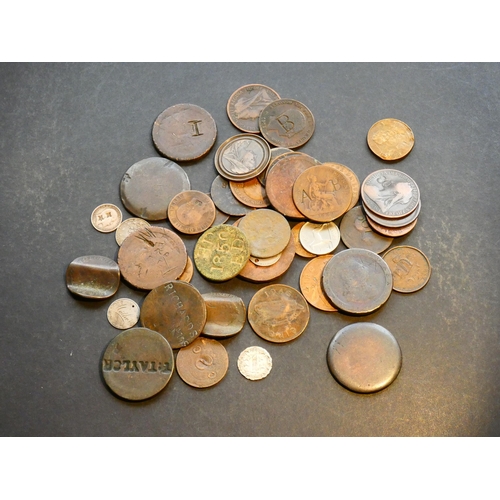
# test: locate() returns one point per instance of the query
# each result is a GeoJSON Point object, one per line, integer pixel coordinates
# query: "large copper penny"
{"type": "Point", "coordinates": [152, 256]}
{"type": "Point", "coordinates": [364, 357]}
{"type": "Point", "coordinates": [191, 212]}
{"type": "Point", "coordinates": [390, 139]}
{"type": "Point", "coordinates": [224, 198]}
{"type": "Point", "coordinates": [251, 193]}
{"type": "Point", "coordinates": [299, 249]}
{"type": "Point", "coordinates": [128, 226]}
{"type": "Point", "coordinates": [184, 132]}
{"type": "Point", "coordinates": [319, 239]}
{"type": "Point", "coordinates": [137, 364]}
{"type": "Point", "coordinates": [278, 313]}
{"type": "Point", "coordinates": [106, 218]}
{"type": "Point", "coordinates": [226, 314]}
{"type": "Point", "coordinates": [255, 363]}
{"type": "Point", "coordinates": [310, 283]}
{"type": "Point", "coordinates": [352, 178]}
{"type": "Point", "coordinates": [176, 310]}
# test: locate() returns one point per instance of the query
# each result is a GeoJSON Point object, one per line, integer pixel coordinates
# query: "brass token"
{"type": "Point", "coordinates": [152, 256]}
{"type": "Point", "coordinates": [106, 218]}
{"type": "Point", "coordinates": [221, 252]}
{"type": "Point", "coordinates": [390, 139]}
{"type": "Point", "coordinates": [319, 239]}
{"type": "Point", "coordinates": [123, 313]}
{"type": "Point", "coordinates": [250, 193]}
{"type": "Point", "coordinates": [187, 274]}
{"type": "Point", "coordinates": [391, 232]}
{"type": "Point", "coordinates": [176, 310]}
{"type": "Point", "coordinates": [410, 268]}
{"type": "Point", "coordinates": [224, 198]}
{"type": "Point", "coordinates": [352, 178]}
{"type": "Point", "coordinates": [226, 314]}
{"type": "Point", "coordinates": [127, 227]}
{"type": "Point", "coordinates": [299, 249]}
{"type": "Point", "coordinates": [191, 212]}
{"type": "Point", "coordinates": [278, 313]}
{"type": "Point", "coordinates": [310, 283]}
{"type": "Point", "coordinates": [203, 363]}
{"type": "Point", "coordinates": [255, 363]}
{"type": "Point", "coordinates": [184, 132]}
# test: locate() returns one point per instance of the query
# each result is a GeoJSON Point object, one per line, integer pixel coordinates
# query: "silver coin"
{"type": "Point", "coordinates": [255, 363]}
{"type": "Point", "coordinates": [319, 239]}
{"type": "Point", "coordinates": [106, 217]}
{"type": "Point", "coordinates": [123, 313]}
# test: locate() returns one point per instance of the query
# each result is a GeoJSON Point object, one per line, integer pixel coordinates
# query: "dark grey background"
{"type": "Point", "coordinates": [70, 131]}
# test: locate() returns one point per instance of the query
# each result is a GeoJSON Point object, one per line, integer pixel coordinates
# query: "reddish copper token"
{"type": "Point", "coordinates": [310, 283]}
{"type": "Point", "coordinates": [299, 249]}
{"type": "Point", "coordinates": [187, 274]}
{"type": "Point", "coordinates": [191, 212]}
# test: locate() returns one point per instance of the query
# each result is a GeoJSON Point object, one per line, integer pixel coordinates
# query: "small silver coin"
{"type": "Point", "coordinates": [123, 313]}
{"type": "Point", "coordinates": [255, 363]}
{"type": "Point", "coordinates": [106, 218]}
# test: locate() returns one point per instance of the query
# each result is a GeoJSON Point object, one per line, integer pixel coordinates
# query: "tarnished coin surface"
{"type": "Point", "coordinates": [287, 123]}
{"type": "Point", "coordinates": [226, 314]}
{"type": "Point", "coordinates": [137, 364]}
{"type": "Point", "coordinates": [399, 222]}
{"type": "Point", "coordinates": [255, 363]}
{"type": "Point", "coordinates": [352, 178]}
{"type": "Point", "coordinates": [93, 277]}
{"type": "Point", "coordinates": [411, 269]}
{"type": "Point", "coordinates": [275, 152]}
{"type": "Point", "coordinates": [364, 357]}
{"type": "Point", "coordinates": [123, 313]}
{"type": "Point", "coordinates": [224, 198]}
{"type": "Point", "coordinates": [203, 363]}
{"type": "Point", "coordinates": [251, 193]}
{"type": "Point", "coordinates": [176, 310]}
{"type": "Point", "coordinates": [278, 313]}
{"type": "Point", "coordinates": [184, 132]}
{"type": "Point", "coordinates": [390, 139]}
{"type": "Point", "coordinates": [127, 227]}
{"type": "Point", "coordinates": [299, 249]}
{"type": "Point", "coordinates": [187, 274]}
{"type": "Point", "coordinates": [391, 232]}
{"type": "Point", "coordinates": [310, 283]}
{"type": "Point", "coordinates": [106, 217]}
{"type": "Point", "coordinates": [245, 105]}
{"type": "Point", "coordinates": [319, 239]}
{"type": "Point", "coordinates": [191, 212]}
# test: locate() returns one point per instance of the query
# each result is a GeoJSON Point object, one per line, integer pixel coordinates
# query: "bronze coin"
{"type": "Point", "coordinates": [357, 281]}
{"type": "Point", "coordinates": [352, 178]}
{"type": "Point", "coordinates": [184, 132]}
{"type": "Point", "coordinates": [176, 310]}
{"type": "Point", "coordinates": [224, 198]}
{"type": "Point", "coordinates": [357, 233]}
{"type": "Point", "coordinates": [152, 256]}
{"type": "Point", "coordinates": [310, 283]}
{"type": "Point", "coordinates": [106, 218]}
{"type": "Point", "coordinates": [287, 123]}
{"type": "Point", "coordinates": [391, 232]}
{"type": "Point", "coordinates": [399, 222]}
{"type": "Point", "coordinates": [149, 185]}
{"type": "Point", "coordinates": [364, 357]}
{"type": "Point", "coordinates": [191, 212]}
{"type": "Point", "coordinates": [411, 269]}
{"type": "Point", "coordinates": [246, 103]}
{"type": "Point", "coordinates": [128, 226]}
{"type": "Point", "coordinates": [390, 139]}
{"type": "Point", "coordinates": [137, 364]}
{"type": "Point", "coordinates": [226, 314]}
{"type": "Point", "coordinates": [250, 193]}
{"type": "Point", "coordinates": [275, 152]}
{"type": "Point", "coordinates": [278, 313]}
{"type": "Point", "coordinates": [187, 274]}
{"type": "Point", "coordinates": [299, 249]}
{"type": "Point", "coordinates": [93, 277]}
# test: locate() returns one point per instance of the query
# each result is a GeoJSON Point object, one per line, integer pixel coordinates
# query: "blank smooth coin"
{"type": "Point", "coordinates": [255, 363]}
{"type": "Point", "coordinates": [123, 313]}
{"type": "Point", "coordinates": [226, 314]}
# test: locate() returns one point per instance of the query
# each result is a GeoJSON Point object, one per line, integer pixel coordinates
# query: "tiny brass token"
{"type": "Point", "coordinates": [250, 193]}
{"type": "Point", "coordinates": [390, 139]}
{"type": "Point", "coordinates": [278, 313]}
{"type": "Point", "coordinates": [364, 357]}
{"type": "Point", "coordinates": [319, 239]}
{"type": "Point", "coordinates": [137, 364]}
{"type": "Point", "coordinates": [191, 212]}
{"type": "Point", "coordinates": [310, 283]}
{"type": "Point", "coordinates": [106, 218]}
{"type": "Point", "coordinates": [411, 269]}
{"type": "Point", "coordinates": [299, 249]}
{"type": "Point", "coordinates": [123, 313]}
{"type": "Point", "coordinates": [255, 363]}
{"type": "Point", "coordinates": [352, 178]}
{"type": "Point", "coordinates": [224, 198]}
{"type": "Point", "coordinates": [93, 277]}
{"type": "Point", "coordinates": [127, 227]}
{"type": "Point", "coordinates": [187, 274]}
{"type": "Point", "coordinates": [203, 363]}
{"type": "Point", "coordinates": [226, 314]}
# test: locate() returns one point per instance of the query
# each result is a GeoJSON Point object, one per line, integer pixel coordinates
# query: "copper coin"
{"type": "Point", "coordinates": [106, 218]}
{"type": "Point", "coordinates": [352, 178]}
{"type": "Point", "coordinates": [246, 103]}
{"type": "Point", "coordinates": [411, 269]}
{"type": "Point", "coordinates": [399, 222]}
{"type": "Point", "coordinates": [357, 233]}
{"type": "Point", "coordinates": [149, 185]}
{"type": "Point", "coordinates": [191, 212]}
{"type": "Point", "coordinates": [275, 152]}
{"type": "Point", "coordinates": [322, 193]}
{"type": "Point", "coordinates": [184, 132]}
{"type": "Point", "coordinates": [224, 198]}
{"type": "Point", "coordinates": [123, 313]}
{"type": "Point", "coordinates": [310, 283]}
{"type": "Point", "coordinates": [187, 274]}
{"type": "Point", "coordinates": [299, 249]}
{"type": "Point", "coordinates": [93, 277]}
{"type": "Point", "coordinates": [220, 217]}
{"type": "Point", "coordinates": [255, 363]}
{"type": "Point", "coordinates": [176, 310]}
{"type": "Point", "coordinates": [250, 193]}
{"type": "Point", "coordinates": [390, 139]}
{"type": "Point", "coordinates": [319, 239]}
{"type": "Point", "coordinates": [127, 227]}
{"type": "Point", "coordinates": [364, 357]}
{"type": "Point", "coordinates": [357, 281]}
{"type": "Point", "coordinates": [226, 314]}
{"type": "Point", "coordinates": [287, 123]}
{"type": "Point", "coordinates": [278, 313]}
{"type": "Point", "coordinates": [137, 364]}
{"type": "Point", "coordinates": [152, 256]}
{"type": "Point", "coordinates": [391, 232]}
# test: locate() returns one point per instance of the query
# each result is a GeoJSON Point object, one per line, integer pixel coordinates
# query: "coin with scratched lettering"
{"type": "Point", "coordinates": [106, 218]}
{"type": "Point", "coordinates": [128, 226]}
{"type": "Point", "coordinates": [390, 139]}
{"type": "Point", "coordinates": [226, 314]}
{"type": "Point", "coordinates": [255, 363]}
{"type": "Point", "coordinates": [191, 212]}
{"type": "Point", "coordinates": [123, 313]}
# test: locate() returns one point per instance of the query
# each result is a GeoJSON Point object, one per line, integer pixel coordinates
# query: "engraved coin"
{"type": "Point", "coordinates": [246, 103]}
{"type": "Point", "coordinates": [224, 198]}
{"type": "Point", "coordinates": [127, 227]}
{"type": "Point", "coordinates": [187, 274]}
{"type": "Point", "coordinates": [364, 357]}
{"type": "Point", "coordinates": [411, 269]}
{"type": "Point", "coordinates": [137, 364]}
{"type": "Point", "coordinates": [319, 239]}
{"type": "Point", "coordinates": [123, 313]}
{"type": "Point", "coordinates": [93, 277]}
{"type": "Point", "coordinates": [251, 193]}
{"type": "Point", "coordinates": [255, 363]}
{"type": "Point", "coordinates": [191, 212]}
{"type": "Point", "coordinates": [106, 218]}
{"type": "Point", "coordinates": [287, 123]}
{"type": "Point", "coordinates": [310, 283]}
{"type": "Point", "coordinates": [299, 249]}
{"type": "Point", "coordinates": [278, 313]}
{"type": "Point", "coordinates": [176, 310]}
{"type": "Point", "coordinates": [184, 132]}
{"type": "Point", "coordinates": [390, 139]}
{"type": "Point", "coordinates": [352, 178]}
{"type": "Point", "coordinates": [391, 232]}
{"type": "Point", "coordinates": [226, 314]}
{"type": "Point", "coordinates": [357, 281]}
{"type": "Point", "coordinates": [265, 262]}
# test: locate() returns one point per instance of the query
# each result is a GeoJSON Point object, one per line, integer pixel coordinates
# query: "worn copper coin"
{"type": "Point", "coordinates": [149, 185]}
{"type": "Point", "coordinates": [399, 222]}
{"type": "Point", "coordinates": [184, 132]}
{"type": "Point", "coordinates": [310, 283]}
{"type": "Point", "coordinates": [319, 239]}
{"type": "Point", "coordinates": [275, 152]}
{"type": "Point", "coordinates": [224, 198]}
{"type": "Point", "coordinates": [278, 313]}
{"type": "Point", "coordinates": [123, 313]}
{"type": "Point", "coordinates": [137, 364]}
{"type": "Point", "coordinates": [226, 314]}
{"type": "Point", "coordinates": [187, 274]}
{"type": "Point", "coordinates": [364, 357]}
{"type": "Point", "coordinates": [352, 178]}
{"type": "Point", "coordinates": [246, 103]}
{"type": "Point", "coordinates": [176, 310]}
{"type": "Point", "coordinates": [93, 277]}
{"type": "Point", "coordinates": [106, 217]}
{"type": "Point", "coordinates": [390, 139]}
{"type": "Point", "coordinates": [251, 193]}
{"type": "Point", "coordinates": [127, 227]}
{"type": "Point", "coordinates": [299, 249]}
{"type": "Point", "coordinates": [411, 269]}
{"type": "Point", "coordinates": [287, 123]}
{"type": "Point", "coordinates": [191, 212]}
{"type": "Point", "coordinates": [255, 363]}
{"type": "Point", "coordinates": [391, 232]}
{"type": "Point", "coordinates": [152, 256]}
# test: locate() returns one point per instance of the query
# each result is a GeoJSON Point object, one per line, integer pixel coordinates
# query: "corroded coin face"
{"type": "Point", "coordinates": [127, 227]}
{"type": "Point", "coordinates": [226, 314]}
{"type": "Point", "coordinates": [191, 212]}
{"type": "Point", "coordinates": [123, 313]}
{"type": "Point", "coordinates": [137, 364]}
{"type": "Point", "coordinates": [224, 198]}
{"type": "Point", "coordinates": [319, 239]}
{"type": "Point", "coordinates": [299, 249]}
{"type": "Point", "coordinates": [390, 139]}
{"type": "Point", "coordinates": [106, 218]}
{"type": "Point", "coordinates": [310, 283]}
{"type": "Point", "coordinates": [255, 363]}
{"type": "Point", "coordinates": [184, 132]}
{"type": "Point", "coordinates": [411, 269]}
{"type": "Point", "coordinates": [278, 313]}
{"type": "Point", "coordinates": [251, 193]}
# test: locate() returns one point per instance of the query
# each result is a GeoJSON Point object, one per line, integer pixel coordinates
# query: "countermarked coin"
{"type": "Point", "coordinates": [226, 314]}
{"type": "Point", "coordinates": [106, 218]}
{"type": "Point", "coordinates": [191, 212]}
{"type": "Point", "coordinates": [390, 139]}
{"type": "Point", "coordinates": [410, 268]}
{"type": "Point", "coordinates": [123, 313]}
{"type": "Point", "coordinates": [128, 226]}
{"type": "Point", "coordinates": [310, 283]}
{"type": "Point", "coordinates": [319, 239]}
{"type": "Point", "coordinates": [255, 363]}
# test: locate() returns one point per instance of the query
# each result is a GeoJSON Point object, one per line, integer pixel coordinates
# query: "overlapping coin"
{"type": "Point", "coordinates": [191, 212]}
